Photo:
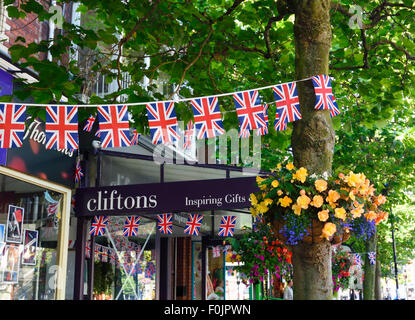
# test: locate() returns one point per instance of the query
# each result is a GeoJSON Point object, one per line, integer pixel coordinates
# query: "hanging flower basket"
{"type": "Point", "coordinates": [311, 209]}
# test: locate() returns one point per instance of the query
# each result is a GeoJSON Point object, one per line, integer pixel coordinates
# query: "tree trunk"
{"type": "Point", "coordinates": [378, 285]}
{"type": "Point", "coordinates": [370, 272]}
{"type": "Point", "coordinates": [312, 139]}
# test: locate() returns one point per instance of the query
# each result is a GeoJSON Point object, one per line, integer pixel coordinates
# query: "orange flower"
{"type": "Point", "coordinates": [333, 196]}
{"type": "Point", "coordinates": [371, 215]}
{"type": "Point", "coordinates": [323, 215]}
{"type": "Point", "coordinates": [297, 209]}
{"type": "Point", "coordinates": [357, 212]}
{"type": "Point", "coordinates": [380, 199]}
{"type": "Point", "coordinates": [317, 201]}
{"type": "Point", "coordinates": [290, 166]}
{"type": "Point", "coordinates": [303, 201]}
{"type": "Point", "coordinates": [321, 185]}
{"type": "Point", "coordinates": [300, 174]}
{"type": "Point", "coordinates": [340, 213]}
{"type": "Point", "coordinates": [285, 202]}
{"type": "Point", "coordinates": [328, 230]}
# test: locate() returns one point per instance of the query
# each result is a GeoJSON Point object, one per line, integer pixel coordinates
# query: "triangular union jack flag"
{"type": "Point", "coordinates": [227, 226]}
{"type": "Point", "coordinates": [288, 104]}
{"type": "Point", "coordinates": [207, 117]}
{"type": "Point", "coordinates": [162, 122]}
{"type": "Point", "coordinates": [98, 226]}
{"type": "Point", "coordinates": [78, 171]}
{"type": "Point", "coordinates": [131, 226]}
{"type": "Point", "coordinates": [114, 127]}
{"type": "Point", "coordinates": [324, 95]}
{"type": "Point", "coordinates": [61, 127]}
{"type": "Point", "coordinates": [134, 138]}
{"type": "Point", "coordinates": [264, 130]}
{"type": "Point", "coordinates": [164, 223]}
{"type": "Point", "coordinates": [249, 110]}
{"type": "Point", "coordinates": [89, 123]}
{"type": "Point", "coordinates": [12, 119]}
{"type": "Point", "coordinates": [278, 124]}
{"type": "Point", "coordinates": [193, 224]}
{"type": "Point", "coordinates": [188, 135]}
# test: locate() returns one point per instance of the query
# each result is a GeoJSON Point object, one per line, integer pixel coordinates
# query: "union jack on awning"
{"type": "Point", "coordinates": [98, 226]}
{"type": "Point", "coordinates": [193, 224]}
{"type": "Point", "coordinates": [12, 125]}
{"type": "Point", "coordinates": [227, 226]}
{"type": "Point", "coordinates": [131, 226]}
{"type": "Point", "coordinates": [165, 223]}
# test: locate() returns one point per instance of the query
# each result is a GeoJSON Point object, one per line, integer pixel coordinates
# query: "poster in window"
{"type": "Point", "coordinates": [11, 264]}
{"type": "Point", "coordinates": [2, 232]}
{"type": "Point", "coordinates": [15, 224]}
{"type": "Point", "coordinates": [30, 247]}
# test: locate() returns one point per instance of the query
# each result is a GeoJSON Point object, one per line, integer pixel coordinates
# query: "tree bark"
{"type": "Point", "coordinates": [370, 272]}
{"type": "Point", "coordinates": [312, 139]}
{"type": "Point", "coordinates": [378, 285]}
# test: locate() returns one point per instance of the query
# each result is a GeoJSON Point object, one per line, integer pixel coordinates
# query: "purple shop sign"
{"type": "Point", "coordinates": [182, 196]}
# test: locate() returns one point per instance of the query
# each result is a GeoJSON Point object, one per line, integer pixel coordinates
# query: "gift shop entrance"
{"type": "Point", "coordinates": [157, 231]}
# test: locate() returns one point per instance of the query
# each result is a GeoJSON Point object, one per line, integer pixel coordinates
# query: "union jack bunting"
{"type": "Point", "coordinates": [249, 110]}
{"type": "Point", "coordinates": [89, 123]}
{"type": "Point", "coordinates": [207, 117]}
{"type": "Point", "coordinates": [279, 125]}
{"type": "Point", "coordinates": [61, 127]}
{"type": "Point", "coordinates": [131, 226]}
{"type": "Point", "coordinates": [193, 224]}
{"type": "Point", "coordinates": [264, 130]}
{"type": "Point", "coordinates": [88, 249]}
{"type": "Point", "coordinates": [165, 223]}
{"type": "Point", "coordinates": [216, 251]}
{"type": "Point", "coordinates": [52, 208]}
{"type": "Point", "coordinates": [356, 259]}
{"type": "Point", "coordinates": [114, 128]}
{"type": "Point", "coordinates": [97, 252]}
{"type": "Point", "coordinates": [12, 119]}
{"type": "Point", "coordinates": [227, 226]}
{"type": "Point", "coordinates": [78, 171]}
{"type": "Point", "coordinates": [245, 133]}
{"type": "Point", "coordinates": [111, 255]}
{"type": "Point", "coordinates": [324, 95]}
{"type": "Point", "coordinates": [98, 226]}
{"type": "Point", "coordinates": [135, 137]}
{"type": "Point", "coordinates": [188, 135]}
{"type": "Point", "coordinates": [372, 257]}
{"type": "Point", "coordinates": [287, 102]}
{"type": "Point", "coordinates": [162, 122]}
{"type": "Point", "coordinates": [104, 254]}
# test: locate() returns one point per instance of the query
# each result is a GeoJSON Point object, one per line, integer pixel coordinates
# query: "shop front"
{"type": "Point", "coordinates": [152, 264]}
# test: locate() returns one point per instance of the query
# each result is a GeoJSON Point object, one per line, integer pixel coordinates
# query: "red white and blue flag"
{"type": "Point", "coordinates": [162, 122]}
{"type": "Point", "coordinates": [249, 110]}
{"type": "Point", "coordinates": [324, 95]}
{"type": "Point", "coordinates": [207, 117]}
{"type": "Point", "coordinates": [188, 135]}
{"type": "Point", "coordinates": [98, 226]}
{"type": "Point", "coordinates": [193, 224]}
{"type": "Point", "coordinates": [12, 125]}
{"type": "Point", "coordinates": [264, 130]}
{"type": "Point", "coordinates": [88, 249]}
{"type": "Point", "coordinates": [165, 223]}
{"type": "Point", "coordinates": [356, 259]}
{"type": "Point", "coordinates": [135, 137]}
{"type": "Point", "coordinates": [104, 254]}
{"type": "Point", "coordinates": [372, 257]}
{"type": "Point", "coordinates": [89, 123]}
{"type": "Point", "coordinates": [227, 226]}
{"type": "Point", "coordinates": [279, 125]}
{"type": "Point", "coordinates": [61, 127]}
{"type": "Point", "coordinates": [131, 226]}
{"type": "Point", "coordinates": [78, 171]}
{"type": "Point", "coordinates": [216, 251]}
{"type": "Point", "coordinates": [287, 101]}
{"type": "Point", "coordinates": [245, 133]}
{"type": "Point", "coordinates": [114, 127]}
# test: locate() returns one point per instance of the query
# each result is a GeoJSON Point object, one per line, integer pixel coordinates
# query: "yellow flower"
{"type": "Point", "coordinates": [259, 180]}
{"type": "Point", "coordinates": [279, 166]}
{"type": "Point", "coordinates": [279, 192]}
{"type": "Point", "coordinates": [317, 201]}
{"type": "Point", "coordinates": [357, 212]}
{"type": "Point", "coordinates": [303, 201]}
{"type": "Point", "coordinates": [371, 215]}
{"type": "Point", "coordinates": [351, 196]}
{"type": "Point", "coordinates": [333, 196]}
{"type": "Point", "coordinates": [290, 166]}
{"type": "Point", "coordinates": [268, 201]}
{"type": "Point", "coordinates": [328, 230]}
{"type": "Point", "coordinates": [321, 185]}
{"type": "Point", "coordinates": [300, 174]}
{"type": "Point", "coordinates": [275, 183]}
{"type": "Point", "coordinates": [323, 215]}
{"type": "Point", "coordinates": [297, 209]}
{"type": "Point", "coordinates": [262, 207]}
{"type": "Point", "coordinates": [285, 202]}
{"type": "Point", "coordinates": [254, 200]}
{"type": "Point", "coordinates": [340, 213]}
{"type": "Point", "coordinates": [253, 212]}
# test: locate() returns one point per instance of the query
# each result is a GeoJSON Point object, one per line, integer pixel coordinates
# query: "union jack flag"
{"type": "Point", "coordinates": [88, 249]}
{"type": "Point", "coordinates": [245, 133]}
{"type": "Point", "coordinates": [12, 119]}
{"type": "Point", "coordinates": [227, 226]}
{"type": "Point", "coordinates": [89, 123]}
{"type": "Point", "coordinates": [207, 117]}
{"type": "Point", "coordinates": [188, 135]}
{"type": "Point", "coordinates": [104, 254]}
{"type": "Point", "coordinates": [372, 257]}
{"type": "Point", "coordinates": [61, 127]}
{"type": "Point", "coordinates": [250, 111]}
{"type": "Point", "coordinates": [356, 259]}
{"type": "Point", "coordinates": [279, 125]}
{"type": "Point", "coordinates": [98, 226]}
{"type": "Point", "coordinates": [193, 224]}
{"type": "Point", "coordinates": [288, 104]}
{"type": "Point", "coordinates": [216, 251]}
{"type": "Point", "coordinates": [98, 133]}
{"type": "Point", "coordinates": [264, 130]}
{"type": "Point", "coordinates": [131, 226]}
{"type": "Point", "coordinates": [114, 128]}
{"type": "Point", "coordinates": [324, 95]}
{"type": "Point", "coordinates": [162, 122]}
{"type": "Point", "coordinates": [164, 223]}
{"type": "Point", "coordinates": [111, 255]}
{"type": "Point", "coordinates": [52, 208]}
{"type": "Point", "coordinates": [97, 252]}
{"type": "Point", "coordinates": [78, 171]}
{"type": "Point", "coordinates": [135, 137]}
